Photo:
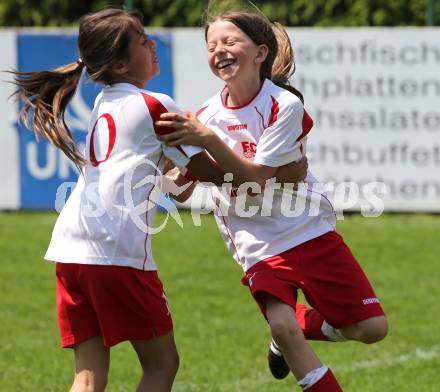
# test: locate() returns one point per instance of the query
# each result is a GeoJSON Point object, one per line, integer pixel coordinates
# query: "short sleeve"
{"type": "Point", "coordinates": [161, 103]}
{"type": "Point", "coordinates": [280, 142]}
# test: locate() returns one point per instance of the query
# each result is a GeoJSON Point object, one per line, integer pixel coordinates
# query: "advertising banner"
{"type": "Point", "coordinates": [374, 96]}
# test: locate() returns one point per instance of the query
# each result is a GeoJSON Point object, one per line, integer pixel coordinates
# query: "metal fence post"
{"type": "Point", "coordinates": [430, 12]}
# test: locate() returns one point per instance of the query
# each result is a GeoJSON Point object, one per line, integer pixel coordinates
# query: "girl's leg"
{"type": "Point", "coordinates": [315, 327]}
{"type": "Point", "coordinates": [303, 362]}
{"type": "Point", "coordinates": [310, 322]}
{"type": "Point", "coordinates": [339, 292]}
{"type": "Point", "coordinates": [92, 363]}
{"type": "Point", "coordinates": [289, 337]}
{"type": "Point", "coordinates": [159, 361]}
{"type": "Point", "coordinates": [367, 331]}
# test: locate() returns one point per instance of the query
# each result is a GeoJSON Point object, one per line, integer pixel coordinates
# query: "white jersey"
{"type": "Point", "coordinates": [270, 130]}
{"type": "Point", "coordinates": [107, 217]}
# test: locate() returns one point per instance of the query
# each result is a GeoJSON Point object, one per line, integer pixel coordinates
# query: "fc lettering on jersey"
{"type": "Point", "coordinates": [249, 149]}
{"type": "Point", "coordinates": [111, 139]}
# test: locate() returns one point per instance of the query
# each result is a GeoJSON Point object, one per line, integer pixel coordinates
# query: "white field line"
{"type": "Point", "coordinates": [262, 378]}
{"type": "Point", "coordinates": [417, 355]}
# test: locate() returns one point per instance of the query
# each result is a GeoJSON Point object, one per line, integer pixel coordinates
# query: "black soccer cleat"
{"type": "Point", "coordinates": [277, 364]}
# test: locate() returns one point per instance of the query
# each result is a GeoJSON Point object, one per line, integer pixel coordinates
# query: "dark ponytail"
{"type": "Point", "coordinates": [103, 44]}
{"type": "Point", "coordinates": [45, 96]}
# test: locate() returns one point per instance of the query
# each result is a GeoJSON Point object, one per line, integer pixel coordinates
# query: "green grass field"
{"type": "Point", "coordinates": [221, 336]}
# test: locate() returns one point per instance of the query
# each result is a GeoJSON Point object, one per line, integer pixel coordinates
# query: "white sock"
{"type": "Point", "coordinates": [334, 334]}
{"type": "Point", "coordinates": [312, 377]}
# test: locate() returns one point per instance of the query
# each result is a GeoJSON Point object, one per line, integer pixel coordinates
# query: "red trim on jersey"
{"type": "Point", "coordinates": [201, 110]}
{"type": "Point", "coordinates": [111, 139]}
{"type": "Point", "coordinates": [156, 108]}
{"type": "Point", "coordinates": [227, 229]}
{"type": "Point", "coordinates": [275, 109]}
{"type": "Point", "coordinates": [240, 106]}
{"type": "Point", "coordinates": [307, 124]}
{"type": "Point", "coordinates": [273, 112]}
{"type": "Point", "coordinates": [230, 237]}
{"type": "Point", "coordinates": [262, 118]}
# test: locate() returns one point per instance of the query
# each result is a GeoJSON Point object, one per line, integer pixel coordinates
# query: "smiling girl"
{"type": "Point", "coordinates": [258, 122]}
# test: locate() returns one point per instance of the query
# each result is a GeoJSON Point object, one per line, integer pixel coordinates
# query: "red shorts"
{"type": "Point", "coordinates": [325, 270]}
{"type": "Point", "coordinates": [117, 303]}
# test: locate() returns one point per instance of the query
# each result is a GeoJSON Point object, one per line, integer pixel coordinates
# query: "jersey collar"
{"type": "Point", "coordinates": [224, 93]}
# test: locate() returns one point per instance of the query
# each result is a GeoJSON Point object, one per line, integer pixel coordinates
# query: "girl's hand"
{"type": "Point", "coordinates": [177, 185]}
{"type": "Point", "coordinates": [293, 172]}
{"type": "Point", "coordinates": [168, 166]}
{"type": "Point", "coordinates": [188, 130]}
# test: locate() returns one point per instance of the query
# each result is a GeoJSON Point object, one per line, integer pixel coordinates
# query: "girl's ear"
{"type": "Point", "coordinates": [120, 69]}
{"type": "Point", "coordinates": [262, 53]}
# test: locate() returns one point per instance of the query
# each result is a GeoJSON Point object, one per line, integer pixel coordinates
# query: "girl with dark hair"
{"type": "Point", "coordinates": [108, 290]}
{"type": "Point", "coordinates": [107, 286]}
{"type": "Point", "coordinates": [258, 122]}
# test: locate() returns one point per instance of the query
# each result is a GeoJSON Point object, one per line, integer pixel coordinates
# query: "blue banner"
{"type": "Point", "coordinates": [43, 168]}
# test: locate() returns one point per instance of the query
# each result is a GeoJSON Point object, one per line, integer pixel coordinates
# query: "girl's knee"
{"type": "Point", "coordinates": [90, 381]}
{"type": "Point", "coordinates": [174, 363]}
{"type": "Point", "coordinates": [168, 364]}
{"type": "Point", "coordinates": [283, 328]}
{"type": "Point", "coordinates": [371, 330]}
{"type": "Point", "coordinates": [282, 319]}
{"type": "Point", "coordinates": [379, 329]}
{"type": "Point", "coordinates": [171, 363]}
